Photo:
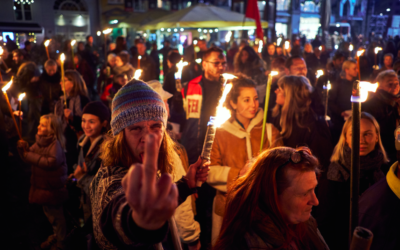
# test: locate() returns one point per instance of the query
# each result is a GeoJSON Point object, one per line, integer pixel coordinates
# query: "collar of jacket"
{"type": "Point", "coordinates": [386, 97]}
{"type": "Point", "coordinates": [84, 139]}
{"type": "Point", "coordinates": [393, 181]}
{"type": "Point", "coordinates": [44, 141]}
{"type": "Point", "coordinates": [235, 129]}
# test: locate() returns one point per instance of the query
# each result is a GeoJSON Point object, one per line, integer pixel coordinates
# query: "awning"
{"type": "Point", "coordinates": [202, 16]}
{"type": "Point", "coordinates": [20, 27]}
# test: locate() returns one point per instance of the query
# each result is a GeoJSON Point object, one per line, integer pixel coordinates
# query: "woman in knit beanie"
{"type": "Point", "coordinates": [133, 206]}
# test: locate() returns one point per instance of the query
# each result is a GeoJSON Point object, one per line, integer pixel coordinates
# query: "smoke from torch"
{"type": "Point", "coordinates": [222, 115]}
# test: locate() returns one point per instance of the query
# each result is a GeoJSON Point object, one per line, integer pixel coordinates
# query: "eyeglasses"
{"type": "Point", "coordinates": [296, 156]}
{"type": "Point", "coordinates": [216, 64]}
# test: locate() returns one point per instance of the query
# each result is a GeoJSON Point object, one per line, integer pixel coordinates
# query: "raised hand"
{"type": "Point", "coordinates": [153, 202]}
{"type": "Point", "coordinates": [197, 172]}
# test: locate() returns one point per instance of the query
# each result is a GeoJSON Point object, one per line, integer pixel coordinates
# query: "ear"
{"type": "Point", "coordinates": [234, 106]}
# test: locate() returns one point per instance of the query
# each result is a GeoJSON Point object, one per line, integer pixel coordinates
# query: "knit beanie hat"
{"type": "Point", "coordinates": [98, 109]}
{"type": "Point", "coordinates": [136, 102]}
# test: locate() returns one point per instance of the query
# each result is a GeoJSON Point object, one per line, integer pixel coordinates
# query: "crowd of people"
{"type": "Point", "coordinates": [110, 160]}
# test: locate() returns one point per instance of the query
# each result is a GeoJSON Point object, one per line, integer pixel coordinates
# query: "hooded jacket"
{"type": "Point", "coordinates": [233, 146]}
{"type": "Point", "coordinates": [49, 171]}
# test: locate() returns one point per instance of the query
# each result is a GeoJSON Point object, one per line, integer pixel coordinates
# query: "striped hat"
{"type": "Point", "coordinates": [136, 102]}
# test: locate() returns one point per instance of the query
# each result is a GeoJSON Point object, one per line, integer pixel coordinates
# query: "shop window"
{"type": "Point", "coordinates": [22, 11]}
{"type": "Point", "coordinates": [282, 5]}
{"type": "Point", "coordinates": [310, 6]}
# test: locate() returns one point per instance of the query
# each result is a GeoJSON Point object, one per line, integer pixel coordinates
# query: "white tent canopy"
{"type": "Point", "coordinates": [202, 16]}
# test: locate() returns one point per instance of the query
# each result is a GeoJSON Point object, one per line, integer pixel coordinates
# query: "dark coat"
{"type": "Point", "coordinates": [49, 172]}
{"type": "Point", "coordinates": [339, 101]}
{"type": "Point", "coordinates": [148, 66]}
{"type": "Point", "coordinates": [385, 109]}
{"type": "Point", "coordinates": [51, 91]}
{"type": "Point", "coordinates": [254, 70]}
{"type": "Point", "coordinates": [87, 73]}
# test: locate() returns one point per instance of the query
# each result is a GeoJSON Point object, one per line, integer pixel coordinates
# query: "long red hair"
{"type": "Point", "coordinates": [260, 188]}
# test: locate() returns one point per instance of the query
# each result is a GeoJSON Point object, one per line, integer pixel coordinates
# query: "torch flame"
{"type": "Point", "coordinates": [377, 49]}
{"type": "Point", "coordinates": [62, 57]}
{"type": "Point", "coordinates": [227, 77]}
{"type": "Point", "coordinates": [279, 41]}
{"type": "Point", "coordinates": [223, 114]}
{"type": "Point", "coordinates": [138, 73]}
{"type": "Point", "coordinates": [47, 43]}
{"type": "Point", "coordinates": [107, 31]}
{"type": "Point", "coordinates": [198, 60]}
{"type": "Point", "coordinates": [274, 73]}
{"type": "Point", "coordinates": [227, 37]}
{"type": "Point", "coordinates": [21, 96]}
{"type": "Point", "coordinates": [180, 65]}
{"type": "Point", "coordinates": [260, 46]}
{"type": "Point", "coordinates": [287, 43]}
{"type": "Point", "coordinates": [8, 85]}
{"type": "Point", "coordinates": [320, 72]}
{"type": "Point", "coordinates": [365, 87]}
{"type": "Point", "coordinates": [360, 52]}
{"type": "Point", "coordinates": [140, 57]}
{"type": "Point", "coordinates": [73, 42]}
{"type": "Point", "coordinates": [351, 47]}
{"type": "Point", "coordinates": [1, 50]}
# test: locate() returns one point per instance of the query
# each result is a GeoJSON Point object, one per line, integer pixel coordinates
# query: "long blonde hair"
{"type": "Point", "coordinates": [297, 90]}
{"type": "Point", "coordinates": [338, 152]}
{"type": "Point", "coordinates": [115, 152]}
{"type": "Point", "coordinates": [55, 127]}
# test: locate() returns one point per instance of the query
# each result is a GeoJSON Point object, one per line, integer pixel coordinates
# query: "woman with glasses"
{"type": "Point", "coordinates": [270, 206]}
{"type": "Point", "coordinates": [70, 112]}
{"type": "Point", "coordinates": [250, 64]}
{"type": "Point", "coordinates": [372, 156]}
{"type": "Point", "coordinates": [236, 142]}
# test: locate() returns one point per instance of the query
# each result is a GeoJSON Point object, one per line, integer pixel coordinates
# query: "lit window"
{"type": "Point", "coordinates": [22, 10]}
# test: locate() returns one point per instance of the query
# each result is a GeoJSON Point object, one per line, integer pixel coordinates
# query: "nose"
{"type": "Point", "coordinates": [362, 139]}
{"type": "Point", "coordinates": [314, 200]}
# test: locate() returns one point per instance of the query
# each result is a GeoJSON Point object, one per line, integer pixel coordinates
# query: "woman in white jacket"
{"type": "Point", "coordinates": [236, 142]}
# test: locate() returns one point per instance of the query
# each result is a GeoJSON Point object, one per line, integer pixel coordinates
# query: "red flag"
{"type": "Point", "coordinates": [253, 12]}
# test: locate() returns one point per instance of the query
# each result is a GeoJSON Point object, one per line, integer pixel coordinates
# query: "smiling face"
{"type": "Point", "coordinates": [297, 200]}
{"type": "Point", "coordinates": [368, 137]}
{"type": "Point", "coordinates": [135, 136]}
{"type": "Point", "coordinates": [43, 128]}
{"type": "Point", "coordinates": [92, 125]}
{"type": "Point", "coordinates": [247, 104]}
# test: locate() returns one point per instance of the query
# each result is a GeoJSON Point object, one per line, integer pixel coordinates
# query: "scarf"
{"type": "Point", "coordinates": [370, 166]}
{"type": "Point", "coordinates": [387, 98]}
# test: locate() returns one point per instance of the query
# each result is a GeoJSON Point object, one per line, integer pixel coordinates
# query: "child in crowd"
{"type": "Point", "coordinates": [49, 175]}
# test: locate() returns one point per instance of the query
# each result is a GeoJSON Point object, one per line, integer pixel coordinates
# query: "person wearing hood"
{"type": "Point", "coordinates": [236, 143]}
{"type": "Point", "coordinates": [50, 86]}
{"type": "Point", "coordinates": [247, 62]}
{"type": "Point", "coordinates": [122, 65]}
{"type": "Point", "coordinates": [335, 224]}
{"type": "Point", "coordinates": [384, 106]}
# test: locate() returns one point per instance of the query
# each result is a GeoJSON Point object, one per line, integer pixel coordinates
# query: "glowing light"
{"type": "Point", "coordinates": [279, 41]}
{"type": "Point", "coordinates": [8, 85]}
{"type": "Point", "coordinates": [137, 74]}
{"type": "Point", "coordinates": [1, 50]}
{"type": "Point", "coordinates": [175, 30]}
{"type": "Point", "coordinates": [365, 87]}
{"type": "Point", "coordinates": [216, 30]}
{"type": "Point", "coordinates": [320, 48]}
{"type": "Point", "coordinates": [210, 31]}
{"type": "Point", "coordinates": [180, 65]}
{"type": "Point", "coordinates": [223, 114]}
{"type": "Point", "coordinates": [162, 29]}
{"type": "Point", "coordinates": [274, 73]}
{"type": "Point", "coordinates": [199, 30]}
{"type": "Point", "coordinates": [47, 43]}
{"type": "Point", "coordinates": [198, 60]}
{"type": "Point", "coordinates": [336, 46]}
{"type": "Point", "coordinates": [195, 42]}
{"type": "Point", "coordinates": [228, 36]}
{"type": "Point", "coordinates": [260, 46]}
{"type": "Point", "coordinates": [377, 49]}
{"type": "Point", "coordinates": [338, 25]}
{"type": "Point", "coordinates": [287, 44]}
{"type": "Point", "coordinates": [140, 57]}
{"type": "Point", "coordinates": [328, 86]}
{"type": "Point", "coordinates": [73, 42]}
{"type": "Point", "coordinates": [107, 31]}
{"type": "Point", "coordinates": [351, 47]}
{"type": "Point", "coordinates": [21, 96]}
{"type": "Point", "coordinates": [388, 9]}
{"type": "Point", "coordinates": [169, 30]}
{"type": "Point", "coordinates": [320, 72]}
{"type": "Point", "coordinates": [205, 31]}
{"type": "Point", "coordinates": [99, 33]}
{"type": "Point", "coordinates": [62, 57]}
{"type": "Point", "coordinates": [360, 52]}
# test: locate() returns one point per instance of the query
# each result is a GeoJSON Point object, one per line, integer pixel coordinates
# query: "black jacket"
{"type": "Point", "coordinates": [51, 91]}
{"type": "Point", "coordinates": [339, 101]}
{"type": "Point", "coordinates": [148, 66]}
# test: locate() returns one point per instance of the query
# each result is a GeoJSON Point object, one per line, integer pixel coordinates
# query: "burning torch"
{"type": "Point", "coordinates": [72, 52]}
{"type": "Point", "coordinates": [222, 115]}
{"type": "Point", "coordinates": [137, 74]}
{"type": "Point", "coordinates": [20, 97]}
{"type": "Point", "coordinates": [376, 50]}
{"type": "Point", "coordinates": [287, 44]}
{"type": "Point", "coordinates": [4, 89]}
{"type": "Point", "coordinates": [359, 53]}
{"type": "Point", "coordinates": [46, 44]}
{"type": "Point", "coordinates": [266, 104]}
{"type": "Point", "coordinates": [359, 95]}
{"type": "Point", "coordinates": [260, 46]}
{"type": "Point", "coordinates": [178, 74]}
